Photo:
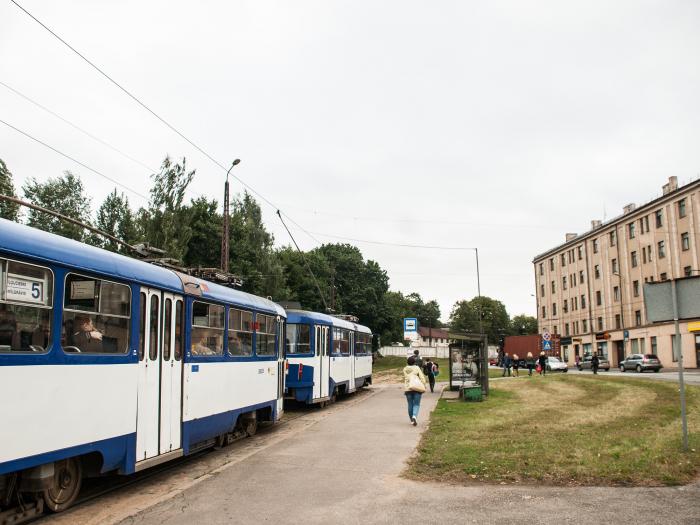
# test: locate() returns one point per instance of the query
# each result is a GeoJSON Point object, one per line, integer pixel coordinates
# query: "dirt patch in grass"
{"type": "Point", "coordinates": [563, 431]}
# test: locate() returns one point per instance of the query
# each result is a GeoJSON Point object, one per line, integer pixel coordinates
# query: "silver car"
{"type": "Point", "coordinates": [585, 363]}
{"type": "Point", "coordinates": [555, 365]}
{"type": "Point", "coordinates": [640, 363]}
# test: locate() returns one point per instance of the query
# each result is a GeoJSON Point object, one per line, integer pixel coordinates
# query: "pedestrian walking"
{"type": "Point", "coordinates": [516, 365]}
{"type": "Point", "coordinates": [530, 361]}
{"type": "Point", "coordinates": [429, 373]}
{"type": "Point", "coordinates": [414, 386]}
{"type": "Point", "coordinates": [595, 363]}
{"type": "Point", "coordinates": [506, 365]}
{"type": "Point", "coordinates": [418, 358]}
{"type": "Point", "coordinates": [542, 362]}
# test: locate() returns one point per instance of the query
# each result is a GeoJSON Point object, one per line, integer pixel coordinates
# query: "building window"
{"type": "Point", "coordinates": [541, 268]}
{"type": "Point", "coordinates": [542, 290]}
{"type": "Point", "coordinates": [659, 218]}
{"type": "Point", "coordinates": [614, 265]}
{"type": "Point", "coordinates": [630, 229]}
{"type": "Point", "coordinates": [613, 236]}
{"type": "Point", "coordinates": [573, 279]}
{"type": "Point", "coordinates": [554, 287]}
{"type": "Point", "coordinates": [598, 298]}
{"type": "Point", "coordinates": [616, 293]}
{"type": "Point", "coordinates": [566, 306]}
{"type": "Point", "coordinates": [685, 242]}
{"type": "Point", "coordinates": [596, 270]}
{"type": "Point", "coordinates": [566, 329]}
{"type": "Point", "coordinates": [635, 288]}
{"type": "Point", "coordinates": [635, 261]}
{"type": "Point", "coordinates": [618, 323]}
{"type": "Point", "coordinates": [642, 345]}
{"type": "Point", "coordinates": [644, 255]}
{"type": "Point", "coordinates": [646, 223]}
{"type": "Point", "coordinates": [638, 318]}
{"type": "Point", "coordinates": [681, 208]}
{"type": "Point", "coordinates": [554, 309]}
{"type": "Point", "coordinates": [662, 249]}
{"type": "Point", "coordinates": [687, 271]}
{"type": "Point", "coordinates": [563, 259]}
{"type": "Point", "coordinates": [551, 264]}
{"type": "Point", "coordinates": [563, 282]}
{"type": "Point", "coordinates": [649, 253]}
{"type": "Point", "coordinates": [634, 346]}
{"type": "Point", "coordinates": [595, 245]}
{"type": "Point", "coordinates": [575, 305]}
{"type": "Point", "coordinates": [576, 328]}
{"type": "Point", "coordinates": [544, 312]}
{"type": "Point", "coordinates": [580, 253]}
{"type": "Point", "coordinates": [653, 345]}
{"type": "Point", "coordinates": [580, 277]}
{"type": "Point", "coordinates": [585, 326]}
{"type": "Point", "coordinates": [556, 329]}
{"type": "Point", "coordinates": [583, 301]}
{"type": "Point", "coordinates": [662, 276]}
{"type": "Point", "coordinates": [600, 323]}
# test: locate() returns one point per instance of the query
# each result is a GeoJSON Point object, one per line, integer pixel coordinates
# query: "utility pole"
{"type": "Point", "coordinates": [224, 234]}
{"type": "Point", "coordinates": [678, 350]}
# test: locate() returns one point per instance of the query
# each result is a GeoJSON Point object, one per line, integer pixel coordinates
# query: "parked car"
{"type": "Point", "coordinates": [556, 365]}
{"type": "Point", "coordinates": [585, 363]}
{"type": "Point", "coordinates": [493, 361]}
{"type": "Point", "coordinates": [640, 363]}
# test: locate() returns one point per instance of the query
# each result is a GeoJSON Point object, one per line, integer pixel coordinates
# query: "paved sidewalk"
{"type": "Point", "coordinates": [345, 469]}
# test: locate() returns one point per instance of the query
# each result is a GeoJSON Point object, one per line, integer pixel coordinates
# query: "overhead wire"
{"type": "Point", "coordinates": [74, 160]}
{"type": "Point", "coordinates": [161, 119]}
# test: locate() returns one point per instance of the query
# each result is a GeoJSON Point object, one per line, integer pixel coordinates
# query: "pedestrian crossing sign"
{"type": "Point", "coordinates": [546, 345]}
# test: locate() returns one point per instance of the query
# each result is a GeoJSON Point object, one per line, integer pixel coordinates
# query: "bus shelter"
{"type": "Point", "coordinates": [469, 361]}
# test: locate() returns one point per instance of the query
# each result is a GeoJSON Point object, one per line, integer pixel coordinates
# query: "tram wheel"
{"type": "Point", "coordinates": [67, 479]}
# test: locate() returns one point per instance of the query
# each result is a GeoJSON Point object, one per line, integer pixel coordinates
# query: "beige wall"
{"type": "Point", "coordinates": [580, 255]}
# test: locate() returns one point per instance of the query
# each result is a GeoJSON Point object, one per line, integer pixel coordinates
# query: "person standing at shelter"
{"type": "Point", "coordinates": [414, 387]}
{"type": "Point", "coordinates": [429, 373]}
{"type": "Point", "coordinates": [542, 361]}
{"type": "Point", "coordinates": [595, 363]}
{"type": "Point", "coordinates": [530, 360]}
{"type": "Point", "coordinates": [506, 365]}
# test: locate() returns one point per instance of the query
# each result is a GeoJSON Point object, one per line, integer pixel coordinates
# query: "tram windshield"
{"type": "Point", "coordinates": [298, 339]}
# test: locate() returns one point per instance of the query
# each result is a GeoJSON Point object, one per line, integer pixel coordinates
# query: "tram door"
{"type": "Point", "coordinates": [281, 366]}
{"type": "Point", "coordinates": [171, 373]}
{"type": "Point", "coordinates": [353, 362]}
{"type": "Point", "coordinates": [147, 420]}
{"type": "Point", "coordinates": [322, 336]}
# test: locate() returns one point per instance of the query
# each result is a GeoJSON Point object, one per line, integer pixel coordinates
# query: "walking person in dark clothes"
{"type": "Point", "coordinates": [595, 363]}
{"type": "Point", "coordinates": [418, 358]}
{"type": "Point", "coordinates": [428, 371]}
{"type": "Point", "coordinates": [516, 364]}
{"type": "Point", "coordinates": [530, 363]}
{"type": "Point", "coordinates": [542, 361]}
{"type": "Point", "coordinates": [506, 365]}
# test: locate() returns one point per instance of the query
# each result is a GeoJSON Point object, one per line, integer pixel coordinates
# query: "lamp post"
{"type": "Point", "coordinates": [224, 235]}
{"type": "Point", "coordinates": [622, 315]}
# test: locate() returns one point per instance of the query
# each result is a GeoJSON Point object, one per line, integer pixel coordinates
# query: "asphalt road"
{"type": "Point", "coordinates": [690, 377]}
{"type": "Point", "coordinates": [343, 465]}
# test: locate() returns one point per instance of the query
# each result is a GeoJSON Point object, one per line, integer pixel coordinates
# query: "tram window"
{"type": "Point", "coordinates": [26, 300]}
{"type": "Point", "coordinates": [363, 344]}
{"type": "Point", "coordinates": [240, 332]}
{"type": "Point", "coordinates": [179, 323]}
{"type": "Point", "coordinates": [265, 334]}
{"type": "Point", "coordinates": [298, 339]}
{"type": "Point", "coordinates": [95, 316]}
{"type": "Point", "coordinates": [341, 341]}
{"type": "Point", "coordinates": [153, 329]}
{"type": "Point", "coordinates": [207, 329]}
{"type": "Point", "coordinates": [167, 326]}
{"type": "Point", "coordinates": [142, 327]}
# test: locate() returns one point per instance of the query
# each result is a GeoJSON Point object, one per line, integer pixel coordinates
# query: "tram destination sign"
{"type": "Point", "coordinates": [25, 290]}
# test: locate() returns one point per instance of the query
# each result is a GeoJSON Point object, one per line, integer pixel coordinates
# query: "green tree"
{"type": "Point", "coordinates": [495, 320]}
{"type": "Point", "coordinates": [165, 222]}
{"type": "Point", "coordinates": [204, 246]}
{"type": "Point", "coordinates": [523, 325]}
{"type": "Point", "coordinates": [64, 195]}
{"type": "Point", "coordinates": [116, 218]}
{"type": "Point", "coordinates": [299, 283]}
{"type": "Point", "coordinates": [8, 210]}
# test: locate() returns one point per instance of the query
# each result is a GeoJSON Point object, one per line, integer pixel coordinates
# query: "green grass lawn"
{"type": "Point", "coordinates": [390, 368]}
{"type": "Point", "coordinates": [563, 430]}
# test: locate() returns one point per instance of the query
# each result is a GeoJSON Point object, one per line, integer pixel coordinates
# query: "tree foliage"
{"type": "Point", "coordinates": [523, 325]}
{"type": "Point", "coordinates": [494, 317]}
{"type": "Point", "coordinates": [65, 195]}
{"type": "Point", "coordinates": [8, 210]}
{"type": "Point", "coordinates": [115, 217]}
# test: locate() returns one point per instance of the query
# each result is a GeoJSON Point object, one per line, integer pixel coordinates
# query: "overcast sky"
{"type": "Point", "coordinates": [497, 125]}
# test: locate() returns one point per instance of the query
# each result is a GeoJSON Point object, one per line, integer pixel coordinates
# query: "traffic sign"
{"type": "Point", "coordinates": [546, 336]}
{"type": "Point", "coordinates": [546, 345]}
{"type": "Point", "coordinates": [626, 334]}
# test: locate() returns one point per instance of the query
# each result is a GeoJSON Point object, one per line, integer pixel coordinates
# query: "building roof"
{"type": "Point", "coordinates": [426, 332]}
{"type": "Point", "coordinates": [617, 220]}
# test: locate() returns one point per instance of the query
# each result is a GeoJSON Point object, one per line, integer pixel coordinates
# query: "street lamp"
{"type": "Point", "coordinates": [622, 315]}
{"type": "Point", "coordinates": [224, 235]}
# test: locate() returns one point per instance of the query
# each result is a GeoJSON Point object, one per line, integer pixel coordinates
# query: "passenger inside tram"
{"type": "Point", "coordinates": [86, 337]}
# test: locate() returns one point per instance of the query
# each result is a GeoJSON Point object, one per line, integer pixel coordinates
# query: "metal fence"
{"type": "Point", "coordinates": [424, 351]}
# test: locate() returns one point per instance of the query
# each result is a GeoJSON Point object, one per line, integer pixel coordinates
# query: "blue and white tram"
{"type": "Point", "coordinates": [326, 356]}
{"type": "Point", "coordinates": [108, 363]}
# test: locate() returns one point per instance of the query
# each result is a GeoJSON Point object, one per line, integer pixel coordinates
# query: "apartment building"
{"type": "Point", "coordinates": [590, 289]}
